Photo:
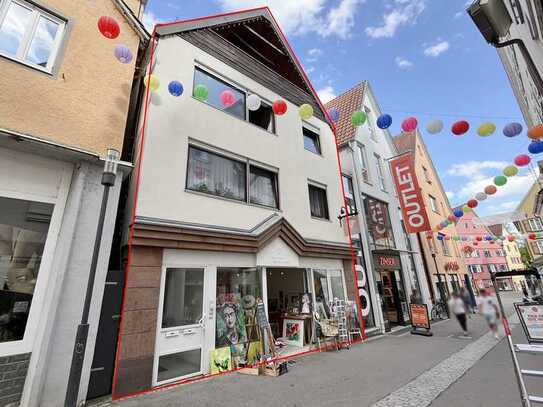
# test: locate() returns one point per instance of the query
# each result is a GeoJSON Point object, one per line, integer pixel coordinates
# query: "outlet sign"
{"type": "Point", "coordinates": [409, 194]}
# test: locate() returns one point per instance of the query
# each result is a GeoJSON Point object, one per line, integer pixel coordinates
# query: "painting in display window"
{"type": "Point", "coordinates": [221, 360]}
{"type": "Point", "coordinates": [293, 331]}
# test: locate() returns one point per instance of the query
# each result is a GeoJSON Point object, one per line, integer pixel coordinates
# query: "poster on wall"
{"type": "Point", "coordinates": [531, 317]}
{"type": "Point", "coordinates": [409, 193]}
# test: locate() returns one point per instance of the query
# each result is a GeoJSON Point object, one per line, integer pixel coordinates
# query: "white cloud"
{"type": "Point", "coordinates": [313, 54]}
{"type": "Point", "coordinates": [403, 63]}
{"type": "Point", "coordinates": [150, 20]}
{"type": "Point", "coordinates": [326, 94]}
{"type": "Point", "coordinates": [450, 194]}
{"type": "Point", "coordinates": [475, 169]}
{"type": "Point", "coordinates": [402, 12]}
{"type": "Point", "coordinates": [459, 14]}
{"type": "Point", "coordinates": [306, 16]}
{"type": "Point", "coordinates": [437, 49]}
{"type": "Point", "coordinates": [480, 174]}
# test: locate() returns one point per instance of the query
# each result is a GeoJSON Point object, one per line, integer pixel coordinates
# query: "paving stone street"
{"type": "Point", "coordinates": [394, 370]}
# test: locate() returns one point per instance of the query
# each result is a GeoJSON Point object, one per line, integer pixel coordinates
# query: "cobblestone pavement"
{"type": "Point", "coordinates": [391, 370]}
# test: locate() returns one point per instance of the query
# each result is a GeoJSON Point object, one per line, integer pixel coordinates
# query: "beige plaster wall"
{"type": "Point", "coordinates": [434, 188]}
{"type": "Point", "coordinates": [86, 103]}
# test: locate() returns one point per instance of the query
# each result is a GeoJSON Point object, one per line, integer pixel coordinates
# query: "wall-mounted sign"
{"type": "Point", "coordinates": [531, 317]}
{"type": "Point", "coordinates": [452, 266]}
{"type": "Point", "coordinates": [409, 193]}
{"type": "Point", "coordinates": [386, 261]}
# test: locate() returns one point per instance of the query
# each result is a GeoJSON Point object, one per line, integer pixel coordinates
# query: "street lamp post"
{"type": "Point", "coordinates": [78, 356]}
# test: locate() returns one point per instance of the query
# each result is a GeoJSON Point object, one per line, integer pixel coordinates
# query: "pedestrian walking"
{"type": "Point", "coordinates": [489, 309]}
{"type": "Point", "coordinates": [458, 308]}
{"type": "Point", "coordinates": [466, 297]}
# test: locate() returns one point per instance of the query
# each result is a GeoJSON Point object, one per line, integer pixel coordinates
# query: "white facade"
{"type": "Point", "coordinates": [183, 136]}
{"type": "Point", "coordinates": [59, 191]}
{"type": "Point", "coordinates": [527, 17]}
{"type": "Point", "coordinates": [365, 160]}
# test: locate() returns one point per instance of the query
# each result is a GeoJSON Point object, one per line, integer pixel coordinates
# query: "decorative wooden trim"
{"type": "Point", "coordinates": [198, 239]}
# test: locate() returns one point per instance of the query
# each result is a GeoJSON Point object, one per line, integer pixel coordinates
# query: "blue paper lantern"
{"type": "Point", "coordinates": [536, 147]}
{"type": "Point", "coordinates": [458, 213]}
{"type": "Point", "coordinates": [384, 121]}
{"type": "Point", "coordinates": [334, 114]}
{"type": "Point", "coordinates": [512, 129]}
{"type": "Point", "coordinates": [439, 237]}
{"type": "Point", "coordinates": [175, 88]}
{"type": "Point", "coordinates": [488, 238]}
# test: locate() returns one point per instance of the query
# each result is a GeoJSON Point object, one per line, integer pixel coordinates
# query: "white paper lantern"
{"type": "Point", "coordinates": [156, 99]}
{"type": "Point", "coordinates": [481, 196]}
{"type": "Point", "coordinates": [253, 102]}
{"type": "Point", "coordinates": [434, 127]}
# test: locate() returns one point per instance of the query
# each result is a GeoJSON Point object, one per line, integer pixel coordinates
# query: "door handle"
{"type": "Point", "coordinates": [172, 334]}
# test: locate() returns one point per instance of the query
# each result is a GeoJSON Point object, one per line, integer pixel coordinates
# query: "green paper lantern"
{"type": "Point", "coordinates": [456, 238]}
{"type": "Point", "coordinates": [500, 180]}
{"type": "Point", "coordinates": [201, 92]}
{"type": "Point", "coordinates": [358, 118]}
{"type": "Point", "coordinates": [306, 111]}
{"type": "Point", "coordinates": [466, 209]}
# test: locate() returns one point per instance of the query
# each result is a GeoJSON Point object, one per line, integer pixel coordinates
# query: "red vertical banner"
{"type": "Point", "coordinates": [409, 194]}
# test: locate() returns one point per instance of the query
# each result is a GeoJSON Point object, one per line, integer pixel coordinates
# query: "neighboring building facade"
{"type": "Point", "coordinates": [521, 20]}
{"type": "Point", "coordinates": [64, 101]}
{"type": "Point", "coordinates": [390, 258]}
{"type": "Point", "coordinates": [233, 205]}
{"type": "Point", "coordinates": [443, 260]}
{"type": "Point", "coordinates": [532, 224]}
{"type": "Point", "coordinates": [482, 257]}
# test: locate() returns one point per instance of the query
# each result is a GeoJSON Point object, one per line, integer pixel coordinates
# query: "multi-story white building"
{"type": "Point", "coordinates": [390, 258]}
{"type": "Point", "coordinates": [232, 203]}
{"type": "Point", "coordinates": [515, 28]}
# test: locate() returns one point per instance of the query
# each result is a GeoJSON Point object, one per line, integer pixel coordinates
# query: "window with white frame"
{"type": "Point", "coordinates": [24, 227]}
{"type": "Point", "coordinates": [311, 140]}
{"type": "Point", "coordinates": [539, 244]}
{"type": "Point", "coordinates": [492, 268]}
{"type": "Point", "coordinates": [445, 247]}
{"type": "Point", "coordinates": [433, 203]}
{"type": "Point", "coordinates": [263, 117]}
{"type": "Point", "coordinates": [363, 158]}
{"type": "Point", "coordinates": [487, 253]}
{"type": "Point", "coordinates": [535, 224]}
{"type": "Point", "coordinates": [370, 122]}
{"type": "Point", "coordinates": [318, 202]}
{"type": "Point", "coordinates": [380, 171]}
{"type": "Point", "coordinates": [216, 174]}
{"type": "Point", "coordinates": [475, 253]}
{"type": "Point", "coordinates": [29, 34]}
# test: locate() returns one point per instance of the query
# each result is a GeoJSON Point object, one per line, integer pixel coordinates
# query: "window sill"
{"type": "Point", "coordinates": [223, 198]}
{"type": "Point", "coordinates": [236, 117]}
{"type": "Point", "coordinates": [25, 64]}
{"type": "Point", "coordinates": [313, 153]}
{"type": "Point", "coordinates": [321, 219]}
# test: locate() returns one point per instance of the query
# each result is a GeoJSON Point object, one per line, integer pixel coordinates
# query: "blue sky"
{"type": "Point", "coordinates": [423, 58]}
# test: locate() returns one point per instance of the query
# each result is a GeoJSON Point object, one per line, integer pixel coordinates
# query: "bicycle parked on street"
{"type": "Point", "coordinates": [439, 311]}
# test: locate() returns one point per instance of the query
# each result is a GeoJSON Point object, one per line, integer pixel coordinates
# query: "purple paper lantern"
{"type": "Point", "coordinates": [123, 54]}
{"type": "Point", "coordinates": [512, 129]}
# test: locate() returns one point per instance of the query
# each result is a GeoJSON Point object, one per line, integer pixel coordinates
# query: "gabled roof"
{"type": "Point", "coordinates": [347, 103]}
{"type": "Point", "coordinates": [257, 34]}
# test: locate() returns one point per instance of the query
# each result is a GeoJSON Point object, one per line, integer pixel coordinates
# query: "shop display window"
{"type": "Point", "coordinates": [23, 233]}
{"type": "Point", "coordinates": [238, 290]}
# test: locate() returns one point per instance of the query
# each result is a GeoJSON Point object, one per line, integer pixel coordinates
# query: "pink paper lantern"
{"type": "Point", "coordinates": [522, 160]}
{"type": "Point", "coordinates": [227, 98]}
{"type": "Point", "coordinates": [410, 124]}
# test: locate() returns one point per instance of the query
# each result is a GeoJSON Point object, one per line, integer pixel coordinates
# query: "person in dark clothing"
{"type": "Point", "coordinates": [458, 308]}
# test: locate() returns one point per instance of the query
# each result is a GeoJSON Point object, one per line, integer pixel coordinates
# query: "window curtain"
{"type": "Point", "coordinates": [263, 187]}
{"type": "Point", "coordinates": [317, 202]}
{"type": "Point", "coordinates": [216, 175]}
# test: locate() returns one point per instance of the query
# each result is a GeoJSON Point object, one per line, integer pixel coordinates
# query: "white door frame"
{"type": "Point", "coordinates": [208, 321]}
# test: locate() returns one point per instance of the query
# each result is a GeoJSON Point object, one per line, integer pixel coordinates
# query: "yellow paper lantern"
{"type": "Point", "coordinates": [152, 82]}
{"type": "Point", "coordinates": [306, 111]}
{"type": "Point", "coordinates": [510, 171]}
{"type": "Point", "coordinates": [486, 129]}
